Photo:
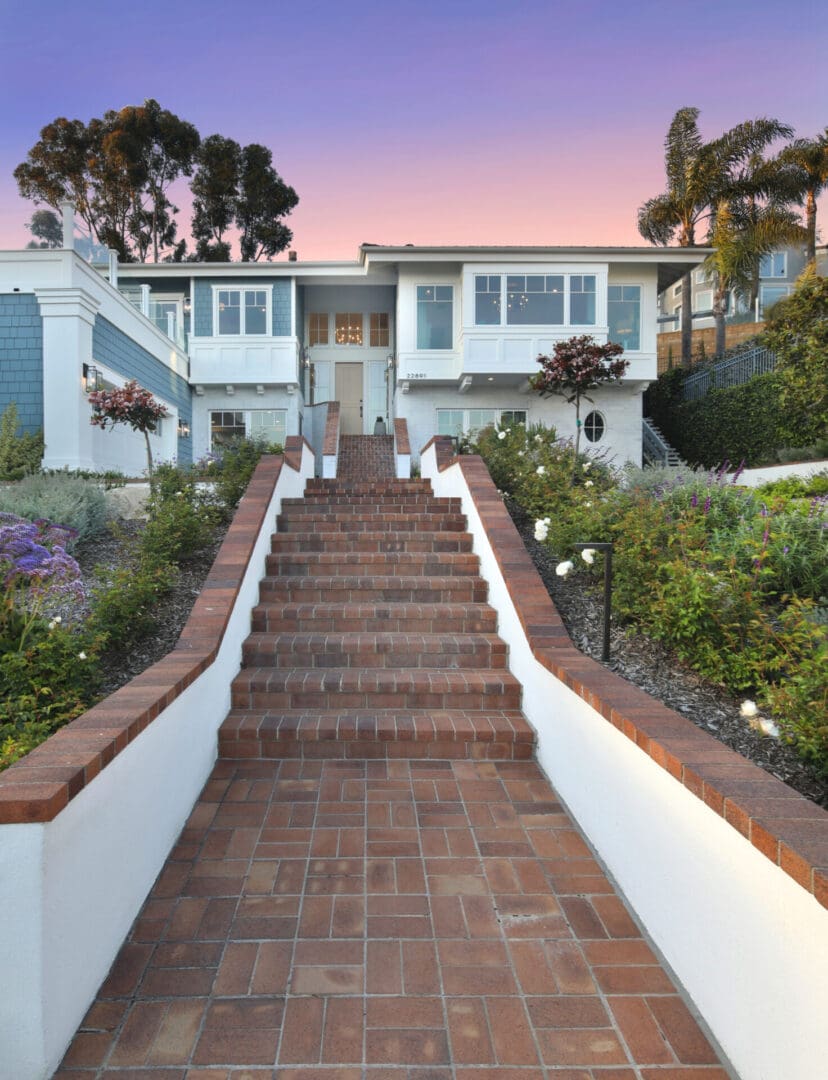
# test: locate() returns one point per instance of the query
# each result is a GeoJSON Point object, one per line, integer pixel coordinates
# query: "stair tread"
{"type": "Point", "coordinates": [408, 724]}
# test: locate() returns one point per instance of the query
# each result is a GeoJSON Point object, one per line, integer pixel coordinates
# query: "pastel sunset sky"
{"type": "Point", "coordinates": [440, 121]}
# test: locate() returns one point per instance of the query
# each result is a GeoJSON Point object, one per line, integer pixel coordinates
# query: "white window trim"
{"type": "Point", "coordinates": [475, 408]}
{"type": "Point", "coordinates": [435, 285]}
{"type": "Point", "coordinates": [642, 292]}
{"type": "Point", "coordinates": [762, 305]}
{"type": "Point", "coordinates": [594, 442]}
{"type": "Point", "coordinates": [775, 277]}
{"type": "Point", "coordinates": [566, 270]}
{"type": "Point", "coordinates": [246, 413]}
{"type": "Point", "coordinates": [266, 289]}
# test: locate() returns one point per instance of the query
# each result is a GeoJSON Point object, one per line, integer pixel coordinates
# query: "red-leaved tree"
{"type": "Point", "coordinates": [577, 365]}
{"type": "Point", "coordinates": [131, 404]}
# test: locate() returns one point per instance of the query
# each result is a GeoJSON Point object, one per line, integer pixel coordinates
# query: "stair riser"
{"type": "Point", "coordinates": [479, 659]}
{"type": "Point", "coordinates": [344, 523]}
{"type": "Point", "coordinates": [332, 542]}
{"type": "Point", "coordinates": [274, 620]}
{"type": "Point", "coordinates": [243, 698]}
{"type": "Point", "coordinates": [372, 749]}
{"type": "Point", "coordinates": [386, 564]}
{"type": "Point", "coordinates": [388, 501]}
{"type": "Point", "coordinates": [463, 592]}
{"type": "Point", "coordinates": [380, 488]}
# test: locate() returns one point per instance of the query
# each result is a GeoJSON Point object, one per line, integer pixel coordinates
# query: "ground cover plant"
{"type": "Point", "coordinates": [63, 642]}
{"type": "Point", "coordinates": [733, 580]}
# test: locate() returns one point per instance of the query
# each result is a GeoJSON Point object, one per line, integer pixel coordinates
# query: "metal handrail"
{"type": "Point", "coordinates": [729, 372]}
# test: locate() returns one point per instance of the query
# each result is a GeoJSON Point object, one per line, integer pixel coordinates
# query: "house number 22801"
{"type": "Point", "coordinates": [415, 375]}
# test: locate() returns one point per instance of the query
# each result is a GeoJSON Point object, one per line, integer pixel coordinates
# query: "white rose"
{"type": "Point", "coordinates": [748, 709]}
{"type": "Point", "coordinates": [81, 655]}
{"type": "Point", "coordinates": [541, 469]}
{"type": "Point", "coordinates": [588, 483]}
{"type": "Point", "coordinates": [562, 569]}
{"type": "Point", "coordinates": [588, 555]}
{"type": "Point", "coordinates": [501, 434]}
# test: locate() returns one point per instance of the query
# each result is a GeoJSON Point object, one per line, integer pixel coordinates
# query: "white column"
{"type": "Point", "coordinates": [67, 213]}
{"type": "Point", "coordinates": [68, 320]}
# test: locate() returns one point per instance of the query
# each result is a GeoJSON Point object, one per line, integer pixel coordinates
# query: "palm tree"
{"type": "Point", "coordinates": [808, 159]}
{"type": "Point", "coordinates": [742, 232]}
{"type": "Point", "coordinates": [699, 174]}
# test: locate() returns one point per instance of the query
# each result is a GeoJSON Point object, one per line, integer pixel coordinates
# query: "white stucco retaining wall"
{"type": "Point", "coordinates": [70, 888]}
{"type": "Point", "coordinates": [805, 469]}
{"type": "Point", "coordinates": [748, 944]}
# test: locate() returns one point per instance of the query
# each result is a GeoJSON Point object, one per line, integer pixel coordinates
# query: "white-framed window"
{"type": "Point", "coordinates": [241, 312]}
{"type": "Point", "coordinates": [774, 265]}
{"type": "Point", "coordinates": [700, 277]}
{"type": "Point", "coordinates": [456, 422]}
{"type": "Point", "coordinates": [624, 315]}
{"type": "Point", "coordinates": [435, 316]}
{"type": "Point", "coordinates": [318, 328]}
{"type": "Point", "coordinates": [266, 425]}
{"type": "Point", "coordinates": [704, 300]}
{"type": "Point", "coordinates": [677, 289]}
{"type": "Point", "coordinates": [487, 288]}
{"type": "Point", "coordinates": [535, 300]}
{"type": "Point", "coordinates": [771, 294]}
{"type": "Point", "coordinates": [379, 334]}
{"type": "Point", "coordinates": [348, 328]}
{"type": "Point", "coordinates": [594, 426]}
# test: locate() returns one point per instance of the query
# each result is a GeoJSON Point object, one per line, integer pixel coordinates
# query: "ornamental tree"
{"type": "Point", "coordinates": [577, 365]}
{"type": "Point", "coordinates": [130, 404]}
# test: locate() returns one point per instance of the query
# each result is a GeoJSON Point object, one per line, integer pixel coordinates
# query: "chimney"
{"type": "Point", "coordinates": [67, 210]}
{"type": "Point", "coordinates": [291, 256]}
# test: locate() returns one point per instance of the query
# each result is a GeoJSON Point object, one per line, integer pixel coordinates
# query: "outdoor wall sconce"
{"type": "Point", "coordinates": [187, 305]}
{"type": "Point", "coordinates": [92, 379]}
{"type": "Point", "coordinates": [183, 429]}
{"type": "Point", "coordinates": [405, 387]}
{"type": "Point", "coordinates": [230, 389]}
{"type": "Point", "coordinates": [607, 550]}
{"type": "Point", "coordinates": [260, 389]}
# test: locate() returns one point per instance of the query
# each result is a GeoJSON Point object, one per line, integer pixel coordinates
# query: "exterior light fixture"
{"type": "Point", "coordinates": [183, 429]}
{"type": "Point", "coordinates": [91, 379]}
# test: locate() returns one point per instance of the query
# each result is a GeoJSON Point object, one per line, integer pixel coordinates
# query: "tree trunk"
{"type": "Point", "coordinates": [577, 437]}
{"type": "Point", "coordinates": [810, 225]}
{"type": "Point", "coordinates": [149, 456]}
{"type": "Point", "coordinates": [686, 322]}
{"type": "Point", "coordinates": [719, 298]}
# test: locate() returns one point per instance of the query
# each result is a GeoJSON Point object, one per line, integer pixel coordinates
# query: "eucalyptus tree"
{"type": "Point", "coordinates": [46, 226]}
{"type": "Point", "coordinates": [699, 175]}
{"type": "Point", "coordinates": [808, 160]}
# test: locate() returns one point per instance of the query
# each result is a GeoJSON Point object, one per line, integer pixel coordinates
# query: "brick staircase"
{"type": "Point", "coordinates": [372, 637]}
{"type": "Point", "coordinates": [363, 457]}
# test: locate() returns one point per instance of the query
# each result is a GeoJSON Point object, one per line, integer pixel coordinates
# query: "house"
{"type": "Point", "coordinates": [443, 337]}
{"type": "Point", "coordinates": [778, 272]}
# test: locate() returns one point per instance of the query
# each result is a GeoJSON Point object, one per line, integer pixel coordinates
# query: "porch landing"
{"type": "Point", "coordinates": [385, 920]}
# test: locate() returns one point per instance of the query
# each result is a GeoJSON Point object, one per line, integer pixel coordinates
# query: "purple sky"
{"type": "Point", "coordinates": [446, 122]}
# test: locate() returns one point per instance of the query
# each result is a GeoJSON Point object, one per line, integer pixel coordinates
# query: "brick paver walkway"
{"type": "Point", "coordinates": [385, 920]}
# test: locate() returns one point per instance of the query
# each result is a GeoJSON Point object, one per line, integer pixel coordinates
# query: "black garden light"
{"type": "Point", "coordinates": [607, 550]}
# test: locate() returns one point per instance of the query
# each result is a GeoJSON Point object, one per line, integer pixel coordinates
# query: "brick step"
{"type": "Point", "coordinates": [373, 521]}
{"type": "Point", "coordinates": [314, 649]}
{"type": "Point", "coordinates": [375, 618]}
{"type": "Point", "coordinates": [369, 487]}
{"type": "Point", "coordinates": [371, 541]}
{"type": "Point", "coordinates": [351, 688]}
{"type": "Point", "coordinates": [344, 588]}
{"type": "Point", "coordinates": [395, 503]}
{"type": "Point", "coordinates": [405, 563]}
{"type": "Point", "coordinates": [451, 733]}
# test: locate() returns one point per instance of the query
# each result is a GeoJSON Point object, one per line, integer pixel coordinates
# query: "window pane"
{"type": "Point", "coordinates": [525, 308]}
{"type": "Point", "coordinates": [594, 426]}
{"type": "Point", "coordinates": [318, 328]}
{"type": "Point", "coordinates": [268, 425]}
{"type": "Point", "coordinates": [582, 300]}
{"type": "Point", "coordinates": [434, 316]}
{"type": "Point", "coordinates": [487, 301]}
{"type": "Point", "coordinates": [510, 417]}
{"type": "Point", "coordinates": [226, 426]}
{"type": "Point", "coordinates": [348, 328]}
{"type": "Point", "coordinates": [449, 421]}
{"type": "Point", "coordinates": [379, 329]}
{"type": "Point", "coordinates": [255, 312]}
{"type": "Point", "coordinates": [229, 311]}
{"type": "Point", "coordinates": [624, 315]}
{"type": "Point", "coordinates": [481, 418]}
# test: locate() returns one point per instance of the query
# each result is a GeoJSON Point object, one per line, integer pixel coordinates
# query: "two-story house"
{"type": "Point", "coordinates": [445, 337]}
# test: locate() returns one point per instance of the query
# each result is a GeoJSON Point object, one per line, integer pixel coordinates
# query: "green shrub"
{"type": "Point", "coordinates": [51, 681]}
{"type": "Point", "coordinates": [181, 521]}
{"type": "Point", "coordinates": [230, 469]}
{"type": "Point", "coordinates": [66, 500]}
{"type": "Point", "coordinates": [122, 611]}
{"type": "Point", "coordinates": [21, 454]}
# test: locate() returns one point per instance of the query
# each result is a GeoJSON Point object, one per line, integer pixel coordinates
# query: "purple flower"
{"type": "Point", "coordinates": [707, 503]}
{"type": "Point", "coordinates": [785, 549]}
{"type": "Point", "coordinates": [694, 501]}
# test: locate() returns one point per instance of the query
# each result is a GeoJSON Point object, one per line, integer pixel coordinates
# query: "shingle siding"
{"type": "Point", "coordinates": [21, 358]}
{"type": "Point", "coordinates": [122, 355]}
{"type": "Point", "coordinates": [203, 303]}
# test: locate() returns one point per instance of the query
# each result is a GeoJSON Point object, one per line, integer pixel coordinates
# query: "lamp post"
{"type": "Point", "coordinates": [607, 550]}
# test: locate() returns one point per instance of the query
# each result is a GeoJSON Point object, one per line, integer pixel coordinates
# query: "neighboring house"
{"type": "Point", "coordinates": [778, 272]}
{"type": "Point", "coordinates": [445, 337]}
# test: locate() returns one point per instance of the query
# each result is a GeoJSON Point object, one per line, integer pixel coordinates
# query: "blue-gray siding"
{"type": "Point", "coordinates": [203, 303]}
{"type": "Point", "coordinates": [121, 354]}
{"type": "Point", "coordinates": [21, 358]}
